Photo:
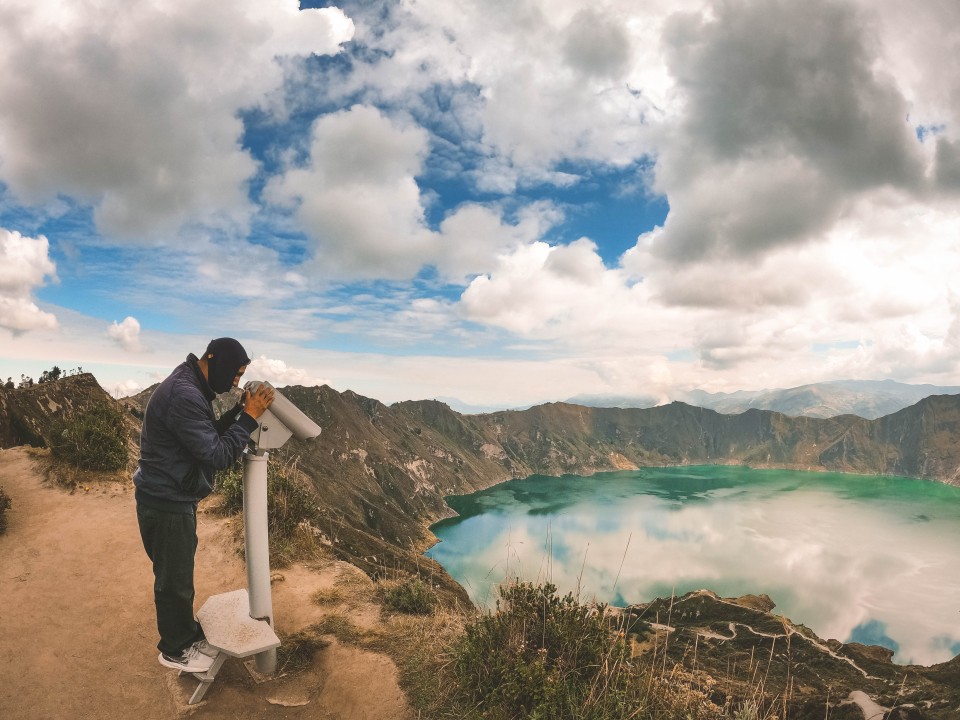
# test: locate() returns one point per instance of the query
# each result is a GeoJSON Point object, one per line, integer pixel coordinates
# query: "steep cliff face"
{"type": "Point", "coordinates": [922, 440]}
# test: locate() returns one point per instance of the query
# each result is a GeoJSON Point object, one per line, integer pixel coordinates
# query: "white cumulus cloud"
{"type": "Point", "coordinates": [133, 107]}
{"type": "Point", "coordinates": [357, 196]}
{"type": "Point", "coordinates": [126, 334]}
{"type": "Point", "coordinates": [278, 373]}
{"type": "Point", "coordinates": [25, 264]}
{"type": "Point", "coordinates": [785, 120]}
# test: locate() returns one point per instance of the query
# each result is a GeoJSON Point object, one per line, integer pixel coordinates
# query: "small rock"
{"type": "Point", "coordinates": [276, 577]}
{"type": "Point", "coordinates": [287, 703]}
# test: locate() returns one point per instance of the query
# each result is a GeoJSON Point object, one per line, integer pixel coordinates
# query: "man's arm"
{"type": "Point", "coordinates": [191, 421]}
{"type": "Point", "coordinates": [228, 418]}
{"type": "Point", "coordinates": [254, 404]}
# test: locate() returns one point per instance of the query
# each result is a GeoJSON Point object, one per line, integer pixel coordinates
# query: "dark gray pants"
{"type": "Point", "coordinates": [170, 540]}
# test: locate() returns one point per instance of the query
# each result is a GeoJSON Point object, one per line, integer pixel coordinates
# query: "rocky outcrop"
{"type": "Point", "coordinates": [26, 414]}
{"type": "Point", "coordinates": [740, 649]}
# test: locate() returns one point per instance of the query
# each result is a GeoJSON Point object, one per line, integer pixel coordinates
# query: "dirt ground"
{"type": "Point", "coordinates": [78, 630]}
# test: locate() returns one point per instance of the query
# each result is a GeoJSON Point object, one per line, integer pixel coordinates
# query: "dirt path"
{"type": "Point", "coordinates": [77, 625]}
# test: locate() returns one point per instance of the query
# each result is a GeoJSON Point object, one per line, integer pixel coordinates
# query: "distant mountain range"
{"type": "Point", "coordinates": [870, 399]}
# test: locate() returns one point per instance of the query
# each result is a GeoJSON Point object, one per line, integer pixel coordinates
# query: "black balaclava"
{"type": "Point", "coordinates": [225, 356]}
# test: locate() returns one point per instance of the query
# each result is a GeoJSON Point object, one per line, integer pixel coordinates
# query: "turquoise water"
{"type": "Point", "coordinates": [867, 559]}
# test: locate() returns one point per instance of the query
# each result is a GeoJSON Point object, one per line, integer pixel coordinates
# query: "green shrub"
{"type": "Point", "coordinates": [542, 656]}
{"type": "Point", "coordinates": [92, 440]}
{"type": "Point", "coordinates": [414, 597]}
{"type": "Point", "coordinates": [4, 506]}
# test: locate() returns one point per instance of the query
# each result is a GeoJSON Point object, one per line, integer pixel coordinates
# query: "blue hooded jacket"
{"type": "Point", "coordinates": [182, 443]}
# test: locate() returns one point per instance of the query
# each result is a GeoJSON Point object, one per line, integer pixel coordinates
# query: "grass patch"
{"type": "Point", "coordinates": [545, 656]}
{"type": "Point", "coordinates": [420, 645]}
{"type": "Point", "coordinates": [411, 596]}
{"type": "Point", "coordinates": [70, 476]}
{"type": "Point", "coordinates": [341, 627]}
{"type": "Point", "coordinates": [540, 656]}
{"type": "Point", "coordinates": [350, 587]}
{"type": "Point", "coordinates": [328, 596]}
{"type": "Point", "coordinates": [353, 579]}
{"type": "Point", "coordinates": [297, 650]}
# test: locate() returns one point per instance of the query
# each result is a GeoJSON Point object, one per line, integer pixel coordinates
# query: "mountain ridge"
{"type": "Point", "coordinates": [380, 473]}
{"type": "Point", "coordinates": [870, 399]}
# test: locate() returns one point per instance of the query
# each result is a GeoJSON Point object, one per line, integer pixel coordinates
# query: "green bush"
{"type": "Point", "coordinates": [92, 440]}
{"type": "Point", "coordinates": [542, 656]}
{"type": "Point", "coordinates": [4, 506]}
{"type": "Point", "coordinates": [414, 597]}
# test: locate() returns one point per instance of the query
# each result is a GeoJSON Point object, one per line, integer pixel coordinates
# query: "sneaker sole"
{"type": "Point", "coordinates": [174, 665]}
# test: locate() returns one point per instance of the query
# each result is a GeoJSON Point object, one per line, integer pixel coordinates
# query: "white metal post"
{"type": "Point", "coordinates": [257, 545]}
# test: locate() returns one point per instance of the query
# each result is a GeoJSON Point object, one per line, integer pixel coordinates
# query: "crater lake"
{"type": "Point", "coordinates": [867, 559]}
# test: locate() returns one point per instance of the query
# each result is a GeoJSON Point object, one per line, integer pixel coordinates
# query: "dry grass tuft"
{"type": "Point", "coordinates": [328, 596]}
{"type": "Point", "coordinates": [341, 627]}
{"type": "Point", "coordinates": [297, 650]}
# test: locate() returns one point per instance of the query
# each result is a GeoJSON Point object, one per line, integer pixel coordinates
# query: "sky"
{"type": "Point", "coordinates": [502, 202]}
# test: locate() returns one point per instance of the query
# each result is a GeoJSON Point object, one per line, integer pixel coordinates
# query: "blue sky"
{"type": "Point", "coordinates": [500, 202]}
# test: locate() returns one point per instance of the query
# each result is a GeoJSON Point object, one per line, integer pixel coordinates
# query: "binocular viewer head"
{"type": "Point", "coordinates": [281, 421]}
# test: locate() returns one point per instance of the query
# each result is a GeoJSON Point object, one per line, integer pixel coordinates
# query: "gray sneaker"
{"type": "Point", "coordinates": [206, 648]}
{"type": "Point", "coordinates": [190, 660]}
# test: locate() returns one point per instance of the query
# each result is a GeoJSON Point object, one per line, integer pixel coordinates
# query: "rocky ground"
{"type": "Point", "coordinates": [77, 626]}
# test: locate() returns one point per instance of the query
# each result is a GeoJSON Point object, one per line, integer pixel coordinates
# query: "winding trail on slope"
{"type": "Point", "coordinates": [870, 709]}
{"type": "Point", "coordinates": [790, 632]}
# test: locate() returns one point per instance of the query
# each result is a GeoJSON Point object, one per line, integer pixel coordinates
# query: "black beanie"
{"type": "Point", "coordinates": [225, 356]}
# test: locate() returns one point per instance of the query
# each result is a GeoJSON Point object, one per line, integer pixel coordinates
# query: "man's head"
{"type": "Point", "coordinates": [225, 361]}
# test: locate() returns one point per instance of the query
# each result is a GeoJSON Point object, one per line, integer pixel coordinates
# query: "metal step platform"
{"type": "Point", "coordinates": [230, 630]}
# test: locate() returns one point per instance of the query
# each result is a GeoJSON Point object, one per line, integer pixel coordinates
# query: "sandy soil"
{"type": "Point", "coordinates": [77, 625]}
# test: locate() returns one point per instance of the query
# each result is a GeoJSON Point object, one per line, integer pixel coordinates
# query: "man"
{"type": "Point", "coordinates": [182, 444]}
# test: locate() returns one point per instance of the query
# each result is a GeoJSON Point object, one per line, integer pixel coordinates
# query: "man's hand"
{"type": "Point", "coordinates": [255, 403]}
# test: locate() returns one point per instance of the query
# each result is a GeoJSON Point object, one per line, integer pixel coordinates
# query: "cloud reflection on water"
{"type": "Point", "coordinates": [852, 558]}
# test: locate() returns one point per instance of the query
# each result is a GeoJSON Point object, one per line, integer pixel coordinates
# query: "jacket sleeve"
{"type": "Point", "coordinates": [228, 418]}
{"type": "Point", "coordinates": [192, 421]}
